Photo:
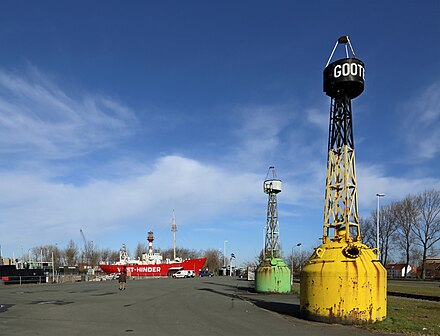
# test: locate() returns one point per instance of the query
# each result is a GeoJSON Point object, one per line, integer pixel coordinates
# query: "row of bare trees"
{"type": "Point", "coordinates": [73, 255]}
{"type": "Point", "coordinates": [70, 255]}
{"type": "Point", "coordinates": [408, 229]}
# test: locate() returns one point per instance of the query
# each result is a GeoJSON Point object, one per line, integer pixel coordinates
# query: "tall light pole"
{"type": "Point", "coordinates": [300, 255]}
{"type": "Point", "coordinates": [378, 221]}
{"type": "Point", "coordinates": [224, 254]}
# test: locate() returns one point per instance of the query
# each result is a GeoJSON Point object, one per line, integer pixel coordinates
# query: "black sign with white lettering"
{"type": "Point", "coordinates": [344, 77]}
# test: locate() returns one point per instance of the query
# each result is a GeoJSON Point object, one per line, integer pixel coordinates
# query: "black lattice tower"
{"type": "Point", "coordinates": [343, 81]}
{"type": "Point", "coordinates": [272, 186]}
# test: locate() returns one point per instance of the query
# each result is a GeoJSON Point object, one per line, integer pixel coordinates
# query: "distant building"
{"type": "Point", "coordinates": [399, 270]}
{"type": "Point", "coordinates": [432, 268]}
{"type": "Point", "coordinates": [7, 261]}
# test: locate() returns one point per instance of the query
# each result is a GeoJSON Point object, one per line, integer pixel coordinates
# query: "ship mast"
{"type": "Point", "coordinates": [174, 230]}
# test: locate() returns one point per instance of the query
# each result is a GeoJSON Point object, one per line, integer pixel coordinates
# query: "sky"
{"type": "Point", "coordinates": [113, 113]}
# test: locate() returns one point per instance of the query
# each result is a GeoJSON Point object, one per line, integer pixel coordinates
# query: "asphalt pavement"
{"type": "Point", "coordinates": [200, 306]}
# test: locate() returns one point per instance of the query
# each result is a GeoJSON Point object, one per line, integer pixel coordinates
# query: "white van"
{"type": "Point", "coordinates": [181, 274]}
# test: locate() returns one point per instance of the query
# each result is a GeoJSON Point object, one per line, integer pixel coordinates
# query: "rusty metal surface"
{"type": "Point", "coordinates": [272, 276]}
{"type": "Point", "coordinates": [343, 283]}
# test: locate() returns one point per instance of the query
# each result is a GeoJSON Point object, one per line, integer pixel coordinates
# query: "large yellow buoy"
{"type": "Point", "coordinates": [343, 281]}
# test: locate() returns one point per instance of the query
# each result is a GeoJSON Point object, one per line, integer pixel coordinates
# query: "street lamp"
{"type": "Point", "coordinates": [224, 253]}
{"type": "Point", "coordinates": [299, 259]}
{"type": "Point", "coordinates": [377, 222]}
{"type": "Point", "coordinates": [300, 255]}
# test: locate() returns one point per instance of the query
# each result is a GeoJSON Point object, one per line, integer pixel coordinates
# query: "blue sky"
{"type": "Point", "coordinates": [113, 114]}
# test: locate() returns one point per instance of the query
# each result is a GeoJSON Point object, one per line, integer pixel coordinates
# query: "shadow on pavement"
{"type": "Point", "coordinates": [247, 287]}
{"type": "Point", "coordinates": [290, 309]}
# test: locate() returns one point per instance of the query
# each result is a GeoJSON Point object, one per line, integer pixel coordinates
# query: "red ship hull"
{"type": "Point", "coordinates": [156, 270]}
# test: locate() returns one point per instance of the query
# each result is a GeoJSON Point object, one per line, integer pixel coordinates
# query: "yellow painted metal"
{"type": "Point", "coordinates": [341, 203]}
{"type": "Point", "coordinates": [343, 283]}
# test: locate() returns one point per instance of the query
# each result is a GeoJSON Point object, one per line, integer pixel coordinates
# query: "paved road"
{"type": "Point", "coordinates": [200, 306]}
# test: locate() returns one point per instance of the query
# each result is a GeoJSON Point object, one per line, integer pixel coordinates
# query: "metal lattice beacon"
{"type": "Point", "coordinates": [343, 281]}
{"type": "Point", "coordinates": [272, 275]}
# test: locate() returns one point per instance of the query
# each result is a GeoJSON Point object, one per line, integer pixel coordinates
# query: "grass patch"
{"type": "Point", "coordinates": [431, 290]}
{"type": "Point", "coordinates": [410, 317]}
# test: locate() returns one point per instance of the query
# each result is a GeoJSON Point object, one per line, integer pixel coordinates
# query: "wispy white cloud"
{"type": "Point", "coordinates": [421, 126]}
{"type": "Point", "coordinates": [40, 119]}
{"type": "Point", "coordinates": [371, 180]}
{"type": "Point", "coordinates": [259, 133]}
{"type": "Point", "coordinates": [42, 210]}
{"type": "Point", "coordinates": [318, 117]}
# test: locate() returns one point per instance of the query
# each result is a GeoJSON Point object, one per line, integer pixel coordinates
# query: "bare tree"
{"type": "Point", "coordinates": [89, 255]}
{"type": "Point", "coordinates": [405, 213]}
{"type": "Point", "coordinates": [94, 255]}
{"type": "Point", "coordinates": [108, 255]}
{"type": "Point", "coordinates": [71, 253]}
{"type": "Point", "coordinates": [297, 259]}
{"type": "Point", "coordinates": [180, 252]}
{"type": "Point", "coordinates": [140, 249]}
{"type": "Point", "coordinates": [388, 228]}
{"type": "Point", "coordinates": [368, 231]}
{"type": "Point", "coordinates": [427, 226]}
{"type": "Point", "coordinates": [45, 254]}
{"type": "Point", "coordinates": [214, 260]}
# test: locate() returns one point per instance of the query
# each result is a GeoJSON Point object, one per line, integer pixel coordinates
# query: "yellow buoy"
{"type": "Point", "coordinates": [343, 283]}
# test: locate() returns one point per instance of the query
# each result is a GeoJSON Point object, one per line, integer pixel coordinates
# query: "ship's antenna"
{"type": "Point", "coordinates": [174, 230]}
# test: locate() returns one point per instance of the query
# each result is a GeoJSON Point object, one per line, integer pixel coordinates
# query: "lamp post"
{"type": "Point", "coordinates": [299, 262]}
{"type": "Point", "coordinates": [377, 222]}
{"type": "Point", "coordinates": [224, 254]}
{"type": "Point", "coordinates": [300, 255]}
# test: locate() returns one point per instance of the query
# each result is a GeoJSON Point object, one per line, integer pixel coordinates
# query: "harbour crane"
{"type": "Point", "coordinates": [88, 246]}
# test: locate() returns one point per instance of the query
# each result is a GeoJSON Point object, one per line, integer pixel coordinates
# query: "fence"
{"type": "Point", "coordinates": [23, 279]}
